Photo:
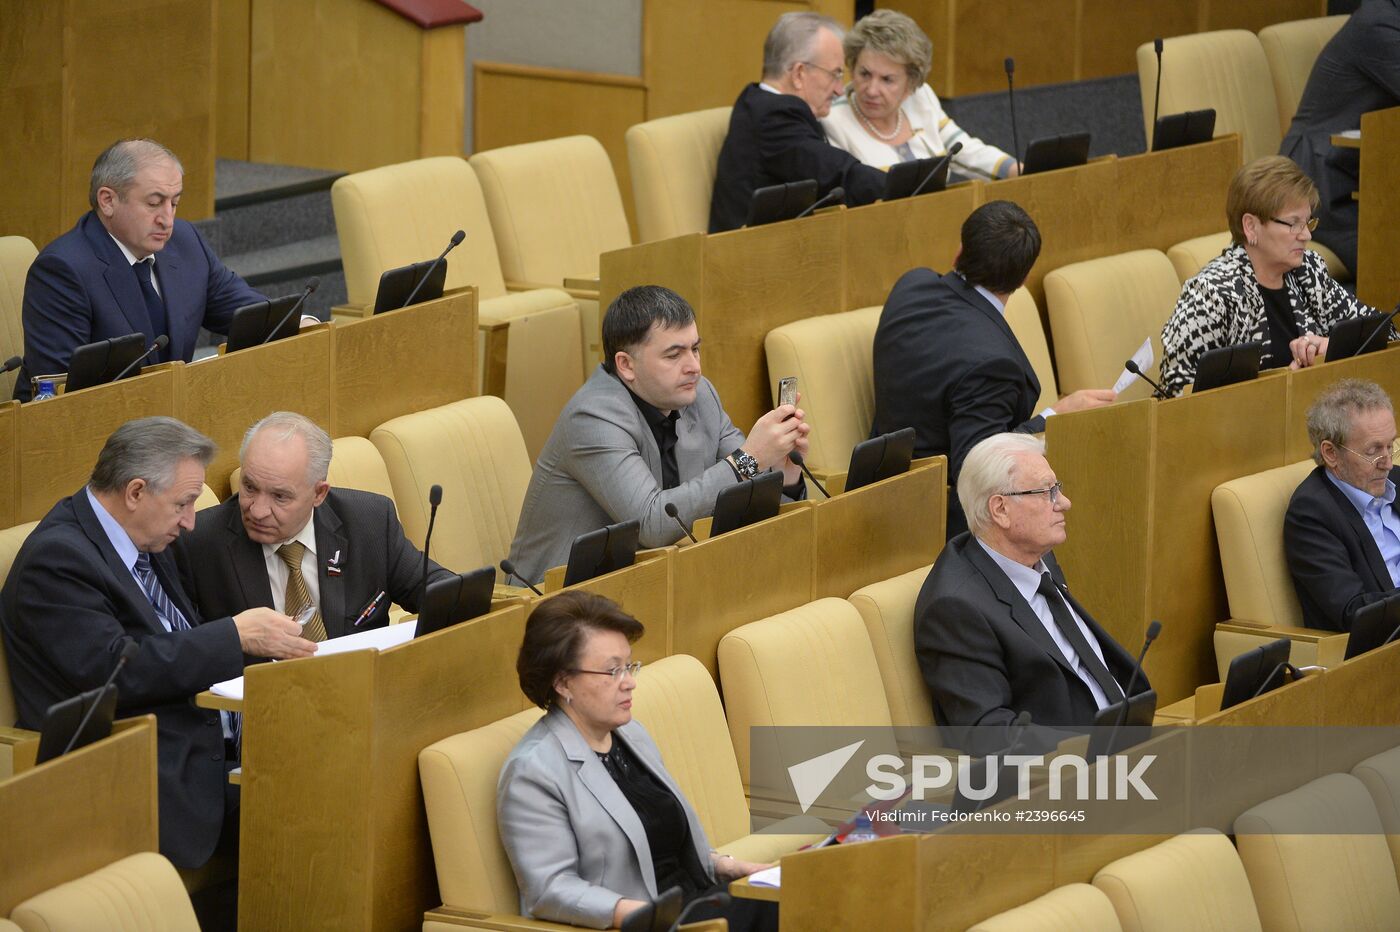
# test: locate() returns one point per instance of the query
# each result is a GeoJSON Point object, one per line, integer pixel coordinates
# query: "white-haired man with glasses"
{"type": "Point", "coordinates": [1342, 529]}
{"type": "Point", "coordinates": [996, 630]}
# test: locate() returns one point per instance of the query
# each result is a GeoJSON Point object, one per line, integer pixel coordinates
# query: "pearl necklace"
{"type": "Point", "coordinates": [898, 122]}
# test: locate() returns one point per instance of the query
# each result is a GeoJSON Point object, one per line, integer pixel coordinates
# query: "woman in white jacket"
{"type": "Point", "coordinates": [889, 114]}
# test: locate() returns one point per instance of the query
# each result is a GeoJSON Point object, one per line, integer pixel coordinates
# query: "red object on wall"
{"type": "Point", "coordinates": [430, 14]}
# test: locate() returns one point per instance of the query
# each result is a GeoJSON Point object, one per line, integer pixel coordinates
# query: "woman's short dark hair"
{"type": "Point", "coordinates": [1000, 243]}
{"type": "Point", "coordinates": [633, 313]}
{"type": "Point", "coordinates": [555, 634]}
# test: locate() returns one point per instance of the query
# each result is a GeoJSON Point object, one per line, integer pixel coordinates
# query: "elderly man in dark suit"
{"type": "Point", "coordinates": [774, 136]}
{"type": "Point", "coordinates": [996, 630]}
{"type": "Point", "coordinates": [127, 267]}
{"type": "Point", "coordinates": [288, 541]}
{"type": "Point", "coordinates": [96, 575]}
{"type": "Point", "coordinates": [1342, 530]}
{"type": "Point", "coordinates": [647, 430]}
{"type": "Point", "coordinates": [946, 361]}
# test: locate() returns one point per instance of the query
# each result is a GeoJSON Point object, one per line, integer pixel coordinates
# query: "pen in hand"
{"type": "Point", "coordinates": [370, 609]}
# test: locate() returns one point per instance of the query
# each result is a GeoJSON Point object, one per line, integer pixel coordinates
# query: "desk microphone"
{"type": "Point", "coordinates": [434, 500]}
{"type": "Point", "coordinates": [11, 364]}
{"type": "Point", "coordinates": [311, 286]}
{"type": "Point", "coordinates": [1366, 342]}
{"type": "Point", "coordinates": [453, 244]}
{"type": "Point", "coordinates": [796, 459]}
{"type": "Point", "coordinates": [1157, 391]}
{"type": "Point", "coordinates": [161, 343]}
{"type": "Point", "coordinates": [129, 650]}
{"type": "Point", "coordinates": [676, 515]}
{"type": "Point", "coordinates": [953, 150]}
{"type": "Point", "coordinates": [1011, 105]}
{"type": "Point", "coordinates": [834, 196]}
{"type": "Point", "coordinates": [510, 570]}
{"type": "Point", "coordinates": [720, 899]}
{"type": "Point", "coordinates": [1157, 97]}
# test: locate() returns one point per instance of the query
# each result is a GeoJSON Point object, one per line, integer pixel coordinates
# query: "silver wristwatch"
{"type": "Point", "coordinates": [745, 465]}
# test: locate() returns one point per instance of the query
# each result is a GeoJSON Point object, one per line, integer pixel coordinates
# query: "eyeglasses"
{"type": "Point", "coordinates": [837, 76]}
{"type": "Point", "coordinates": [616, 672]}
{"type": "Point", "coordinates": [1297, 225]}
{"type": "Point", "coordinates": [1053, 492]}
{"type": "Point", "coordinates": [1377, 461]}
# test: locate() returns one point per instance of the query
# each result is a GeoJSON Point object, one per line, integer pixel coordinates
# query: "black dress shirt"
{"type": "Point", "coordinates": [663, 428]}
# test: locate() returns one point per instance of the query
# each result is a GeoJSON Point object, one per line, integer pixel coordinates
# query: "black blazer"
{"type": "Point", "coordinates": [773, 139]}
{"type": "Point", "coordinates": [1331, 554]}
{"type": "Point", "coordinates": [69, 606]}
{"type": "Point", "coordinates": [986, 656]}
{"type": "Point", "coordinates": [227, 573]}
{"type": "Point", "coordinates": [947, 364]}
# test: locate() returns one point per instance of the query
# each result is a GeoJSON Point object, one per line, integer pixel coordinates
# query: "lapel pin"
{"type": "Point", "coordinates": [333, 566]}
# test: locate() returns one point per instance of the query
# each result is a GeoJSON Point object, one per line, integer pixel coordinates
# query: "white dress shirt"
{"type": "Point", "coordinates": [277, 570]}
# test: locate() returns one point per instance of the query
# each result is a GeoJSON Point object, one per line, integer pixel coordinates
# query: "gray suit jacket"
{"type": "Point", "coordinates": [601, 465]}
{"type": "Point", "coordinates": [575, 842]}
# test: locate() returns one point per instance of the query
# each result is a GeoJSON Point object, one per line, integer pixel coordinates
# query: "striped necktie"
{"type": "Point", "coordinates": [297, 598]}
{"type": "Point", "coordinates": [169, 615]}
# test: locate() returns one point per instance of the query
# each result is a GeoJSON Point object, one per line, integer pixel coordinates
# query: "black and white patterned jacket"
{"type": "Point", "coordinates": [1222, 306]}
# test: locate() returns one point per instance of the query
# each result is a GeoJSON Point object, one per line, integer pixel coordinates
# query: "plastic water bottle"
{"type": "Point", "coordinates": [862, 830]}
{"type": "Point", "coordinates": [45, 390]}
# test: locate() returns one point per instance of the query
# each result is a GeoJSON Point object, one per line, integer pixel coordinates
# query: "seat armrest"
{"type": "Point", "coordinates": [583, 282]}
{"type": "Point", "coordinates": [574, 292]}
{"type": "Point", "coordinates": [471, 919]}
{"type": "Point", "coordinates": [18, 748]}
{"type": "Point", "coordinates": [1310, 646]}
{"type": "Point", "coordinates": [352, 311]}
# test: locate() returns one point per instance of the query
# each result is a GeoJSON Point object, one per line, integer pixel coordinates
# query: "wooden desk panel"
{"type": "Point", "coordinates": [727, 581]}
{"type": "Point", "coordinates": [883, 241]}
{"type": "Point", "coordinates": [758, 279]}
{"type": "Point", "coordinates": [226, 395]}
{"type": "Point", "coordinates": [61, 438]}
{"type": "Point", "coordinates": [405, 361]}
{"type": "Point", "coordinates": [677, 263]}
{"type": "Point", "coordinates": [79, 812]}
{"type": "Point", "coordinates": [1378, 243]}
{"type": "Point", "coordinates": [1306, 384]}
{"type": "Point", "coordinates": [644, 592]}
{"type": "Point", "coordinates": [1165, 198]}
{"type": "Point", "coordinates": [9, 463]}
{"type": "Point", "coordinates": [879, 531]}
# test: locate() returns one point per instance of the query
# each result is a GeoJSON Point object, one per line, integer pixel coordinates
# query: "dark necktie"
{"type": "Point", "coordinates": [155, 307]}
{"type": "Point", "coordinates": [1065, 622]}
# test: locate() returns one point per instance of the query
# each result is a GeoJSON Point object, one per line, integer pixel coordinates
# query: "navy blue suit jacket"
{"type": "Point", "coordinates": [81, 289]}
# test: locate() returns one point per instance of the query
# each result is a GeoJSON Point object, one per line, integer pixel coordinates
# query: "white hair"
{"type": "Point", "coordinates": [987, 471]}
{"type": "Point", "coordinates": [792, 39]}
{"type": "Point", "coordinates": [282, 426]}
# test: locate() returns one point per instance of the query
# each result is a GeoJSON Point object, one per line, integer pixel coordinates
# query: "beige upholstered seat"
{"type": "Point", "coordinates": [1193, 881]}
{"type": "Point", "coordinates": [672, 161]}
{"type": "Point", "coordinates": [473, 449]}
{"type": "Point", "coordinates": [1023, 316]}
{"type": "Point", "coordinates": [1223, 70]}
{"type": "Point", "coordinates": [1381, 777]}
{"type": "Point", "coordinates": [887, 608]}
{"type": "Point", "coordinates": [1190, 256]}
{"type": "Point", "coordinates": [11, 539]}
{"type": "Point", "coordinates": [16, 255]}
{"type": "Point", "coordinates": [554, 208]}
{"type": "Point", "coordinates": [812, 665]}
{"type": "Point", "coordinates": [139, 893]}
{"type": "Point", "coordinates": [1291, 50]}
{"type": "Point", "coordinates": [1317, 859]}
{"type": "Point", "coordinates": [1101, 311]}
{"type": "Point", "coordinates": [400, 214]}
{"type": "Point", "coordinates": [830, 355]}
{"type": "Point", "coordinates": [1249, 515]}
{"type": "Point", "coordinates": [207, 498]}
{"type": "Point", "coordinates": [1075, 907]}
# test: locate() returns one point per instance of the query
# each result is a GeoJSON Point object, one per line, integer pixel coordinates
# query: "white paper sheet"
{"type": "Point", "coordinates": [381, 638]}
{"type": "Point", "coordinates": [771, 877]}
{"type": "Point", "coordinates": [1144, 359]}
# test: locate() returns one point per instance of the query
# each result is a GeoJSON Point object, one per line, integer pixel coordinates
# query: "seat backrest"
{"type": "Point", "coordinates": [207, 498]}
{"type": "Point", "coordinates": [887, 608]}
{"type": "Point", "coordinates": [11, 539]}
{"type": "Point", "coordinates": [400, 214]}
{"type": "Point", "coordinates": [554, 207]}
{"type": "Point", "coordinates": [677, 701]}
{"type": "Point", "coordinates": [474, 450]}
{"type": "Point", "coordinates": [1075, 907]}
{"type": "Point", "coordinates": [1101, 311]}
{"type": "Point", "coordinates": [1192, 881]}
{"type": "Point", "coordinates": [16, 255]}
{"type": "Point", "coordinates": [1023, 316]}
{"type": "Point", "coordinates": [1381, 777]}
{"type": "Point", "coordinates": [140, 893]}
{"type": "Point", "coordinates": [1190, 256]}
{"type": "Point", "coordinates": [831, 357]}
{"type": "Point", "coordinates": [1317, 859]}
{"type": "Point", "coordinates": [672, 161]}
{"type": "Point", "coordinates": [1249, 515]}
{"type": "Point", "coordinates": [1291, 49]}
{"type": "Point", "coordinates": [1223, 70]}
{"type": "Point", "coordinates": [459, 777]}
{"type": "Point", "coordinates": [811, 665]}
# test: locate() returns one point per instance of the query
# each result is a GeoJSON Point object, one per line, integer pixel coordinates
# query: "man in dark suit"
{"type": "Point", "coordinates": [946, 362]}
{"type": "Point", "coordinates": [1342, 530]}
{"type": "Point", "coordinates": [127, 267]}
{"type": "Point", "coordinates": [996, 630]}
{"type": "Point", "coordinates": [95, 575]}
{"type": "Point", "coordinates": [774, 136]}
{"type": "Point", "coordinates": [346, 546]}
